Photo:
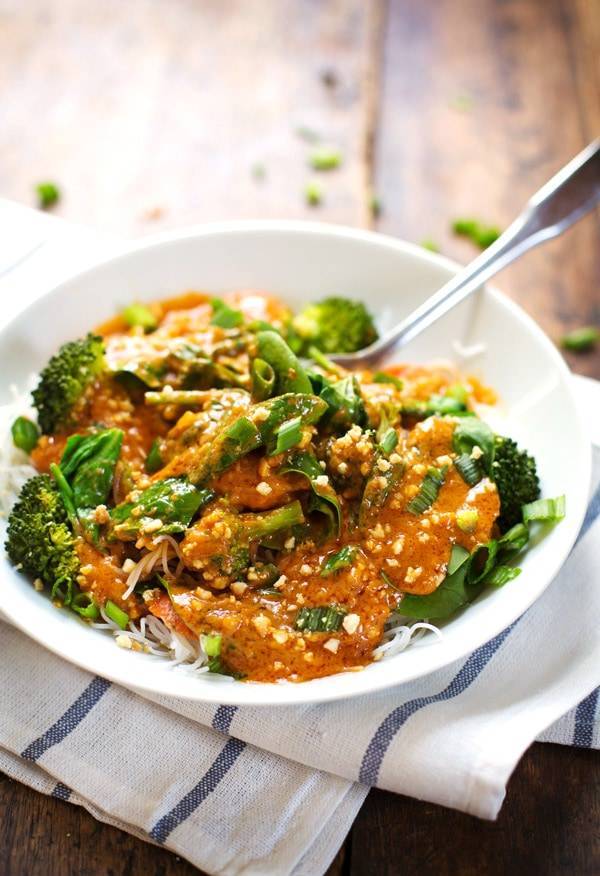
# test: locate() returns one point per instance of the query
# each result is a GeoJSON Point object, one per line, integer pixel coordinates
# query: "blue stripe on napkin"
{"type": "Point", "coordinates": [207, 784]}
{"type": "Point", "coordinates": [382, 739]}
{"type": "Point", "coordinates": [585, 716]}
{"type": "Point", "coordinates": [69, 720]}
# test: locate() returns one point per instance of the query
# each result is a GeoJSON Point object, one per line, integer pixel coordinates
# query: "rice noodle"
{"type": "Point", "coordinates": [398, 636]}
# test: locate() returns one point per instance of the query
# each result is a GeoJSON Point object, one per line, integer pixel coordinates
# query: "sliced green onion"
{"type": "Point", "coordinates": [288, 435]}
{"type": "Point", "coordinates": [499, 576]}
{"type": "Point", "coordinates": [243, 431]}
{"type": "Point", "coordinates": [431, 245]}
{"type": "Point", "coordinates": [458, 556]}
{"type": "Point", "coordinates": [581, 340]}
{"type": "Point", "coordinates": [334, 562]}
{"type": "Point", "coordinates": [389, 441]}
{"type": "Point", "coordinates": [25, 434]}
{"type": "Point", "coordinates": [154, 460]}
{"type": "Point", "coordinates": [326, 364]}
{"type": "Point", "coordinates": [85, 606]}
{"type": "Point", "coordinates": [323, 619]}
{"type": "Point", "coordinates": [383, 377]}
{"type": "Point", "coordinates": [225, 316]}
{"type": "Point", "coordinates": [429, 490]}
{"type": "Point", "coordinates": [324, 158]}
{"type": "Point", "coordinates": [116, 614]}
{"type": "Point", "coordinates": [545, 510]}
{"type": "Point", "coordinates": [212, 644]}
{"type": "Point", "coordinates": [467, 519]}
{"type": "Point", "coordinates": [313, 193]}
{"type": "Point", "coordinates": [480, 234]}
{"type": "Point", "coordinates": [469, 469]}
{"type": "Point", "coordinates": [263, 379]}
{"type": "Point", "coordinates": [140, 315]}
{"type": "Point", "coordinates": [515, 539]}
{"type": "Point", "coordinates": [48, 194]}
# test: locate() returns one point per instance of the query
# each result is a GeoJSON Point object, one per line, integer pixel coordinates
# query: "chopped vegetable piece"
{"type": "Point", "coordinates": [471, 433]}
{"type": "Point", "coordinates": [225, 316]}
{"type": "Point", "coordinates": [140, 315]}
{"type": "Point", "coordinates": [467, 519]}
{"type": "Point", "coordinates": [469, 469]}
{"type": "Point", "coordinates": [116, 614]}
{"type": "Point", "coordinates": [481, 234]}
{"type": "Point", "coordinates": [263, 380]}
{"type": "Point", "coordinates": [154, 460]}
{"type": "Point", "coordinates": [313, 193]}
{"type": "Point", "coordinates": [383, 377]}
{"type": "Point", "coordinates": [545, 510]}
{"type": "Point", "coordinates": [290, 376]}
{"type": "Point", "coordinates": [84, 605]}
{"type": "Point", "coordinates": [325, 158]}
{"type": "Point", "coordinates": [321, 619]}
{"type": "Point", "coordinates": [172, 502]}
{"type": "Point", "coordinates": [581, 340]}
{"type": "Point", "coordinates": [212, 644]}
{"type": "Point", "coordinates": [305, 463]}
{"type": "Point", "coordinates": [288, 435]}
{"type": "Point", "coordinates": [428, 492]}
{"type": "Point", "coordinates": [388, 441]}
{"type": "Point", "coordinates": [48, 194]}
{"type": "Point", "coordinates": [431, 245]}
{"type": "Point", "coordinates": [375, 206]}
{"type": "Point", "coordinates": [341, 559]}
{"type": "Point", "coordinates": [25, 434]}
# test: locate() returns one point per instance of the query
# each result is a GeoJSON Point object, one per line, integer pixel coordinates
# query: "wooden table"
{"type": "Point", "coordinates": [155, 113]}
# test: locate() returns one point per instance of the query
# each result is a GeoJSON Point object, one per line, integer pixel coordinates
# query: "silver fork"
{"type": "Point", "coordinates": [569, 195]}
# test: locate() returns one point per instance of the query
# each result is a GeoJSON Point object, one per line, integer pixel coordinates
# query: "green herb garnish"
{"type": "Point", "coordinates": [323, 619]}
{"type": "Point", "coordinates": [48, 194]}
{"type": "Point", "coordinates": [581, 340]}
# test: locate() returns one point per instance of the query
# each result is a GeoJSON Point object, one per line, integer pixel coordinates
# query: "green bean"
{"type": "Point", "coordinates": [290, 376]}
{"type": "Point", "coordinates": [263, 380]}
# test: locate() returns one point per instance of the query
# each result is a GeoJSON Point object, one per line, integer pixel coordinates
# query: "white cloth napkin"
{"type": "Point", "coordinates": [257, 791]}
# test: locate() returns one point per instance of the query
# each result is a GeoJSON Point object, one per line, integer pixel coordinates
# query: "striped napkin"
{"type": "Point", "coordinates": [274, 791]}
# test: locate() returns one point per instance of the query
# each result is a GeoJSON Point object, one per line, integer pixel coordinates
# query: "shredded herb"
{"type": "Point", "coordinates": [429, 490]}
{"type": "Point", "coordinates": [322, 619]}
{"type": "Point", "coordinates": [340, 560]}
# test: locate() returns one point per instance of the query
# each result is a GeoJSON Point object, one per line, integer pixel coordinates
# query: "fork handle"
{"type": "Point", "coordinates": [569, 195]}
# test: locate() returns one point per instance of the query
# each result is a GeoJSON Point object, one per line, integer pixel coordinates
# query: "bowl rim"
{"type": "Point", "coordinates": [270, 694]}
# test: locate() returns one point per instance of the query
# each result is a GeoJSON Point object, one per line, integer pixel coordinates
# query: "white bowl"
{"type": "Point", "coordinates": [303, 261]}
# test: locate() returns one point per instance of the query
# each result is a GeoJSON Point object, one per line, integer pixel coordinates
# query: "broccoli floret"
{"type": "Point", "coordinates": [515, 474]}
{"type": "Point", "coordinates": [335, 325]}
{"type": "Point", "coordinates": [64, 380]}
{"type": "Point", "coordinates": [39, 538]}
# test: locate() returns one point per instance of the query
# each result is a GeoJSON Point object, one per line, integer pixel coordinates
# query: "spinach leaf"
{"type": "Point", "coordinates": [173, 501]}
{"type": "Point", "coordinates": [302, 462]}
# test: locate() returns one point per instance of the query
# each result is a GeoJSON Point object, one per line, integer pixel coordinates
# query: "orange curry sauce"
{"type": "Point", "coordinates": [257, 625]}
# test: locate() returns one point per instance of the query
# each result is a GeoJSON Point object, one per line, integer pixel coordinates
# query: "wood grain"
{"type": "Point", "coordinates": [151, 114]}
{"type": "Point", "coordinates": [482, 102]}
